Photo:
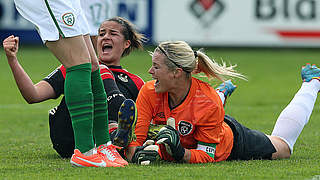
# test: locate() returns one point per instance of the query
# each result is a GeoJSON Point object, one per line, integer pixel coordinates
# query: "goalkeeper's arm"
{"type": "Point", "coordinates": [130, 151]}
{"type": "Point", "coordinates": [169, 138]}
{"type": "Point", "coordinates": [190, 156]}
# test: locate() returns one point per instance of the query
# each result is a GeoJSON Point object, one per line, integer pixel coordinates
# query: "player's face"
{"type": "Point", "coordinates": [111, 43]}
{"type": "Point", "coordinates": [160, 72]}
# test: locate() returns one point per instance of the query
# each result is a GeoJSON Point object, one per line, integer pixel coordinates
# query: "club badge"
{"type": "Point", "coordinates": [123, 77]}
{"type": "Point", "coordinates": [68, 19]}
{"type": "Point", "coordinates": [184, 128]}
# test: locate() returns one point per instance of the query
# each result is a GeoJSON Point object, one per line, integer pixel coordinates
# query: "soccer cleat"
{"type": "Point", "coordinates": [80, 160]}
{"type": "Point", "coordinates": [310, 72]}
{"type": "Point", "coordinates": [153, 131]}
{"type": "Point", "coordinates": [226, 88]}
{"type": "Point", "coordinates": [126, 123]}
{"type": "Point", "coordinates": [111, 154]}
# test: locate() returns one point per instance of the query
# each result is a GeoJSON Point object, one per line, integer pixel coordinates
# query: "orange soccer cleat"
{"type": "Point", "coordinates": [111, 154]}
{"type": "Point", "coordinates": [95, 160]}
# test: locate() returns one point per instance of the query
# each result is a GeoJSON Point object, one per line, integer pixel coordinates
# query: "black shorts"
{"type": "Point", "coordinates": [61, 132]}
{"type": "Point", "coordinates": [248, 144]}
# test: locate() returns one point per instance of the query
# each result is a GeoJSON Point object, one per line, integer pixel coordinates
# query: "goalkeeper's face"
{"type": "Point", "coordinates": [164, 78]}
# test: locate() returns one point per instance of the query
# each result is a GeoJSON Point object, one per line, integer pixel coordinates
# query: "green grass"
{"type": "Point", "coordinates": [274, 77]}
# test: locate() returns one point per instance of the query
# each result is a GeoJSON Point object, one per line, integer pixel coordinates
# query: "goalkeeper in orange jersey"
{"type": "Point", "coordinates": [200, 132]}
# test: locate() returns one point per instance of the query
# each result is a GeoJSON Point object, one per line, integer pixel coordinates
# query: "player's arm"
{"type": "Point", "coordinates": [144, 108]}
{"type": "Point", "coordinates": [31, 92]}
{"type": "Point", "coordinates": [169, 137]}
{"type": "Point", "coordinates": [207, 134]}
{"type": "Point", "coordinates": [204, 153]}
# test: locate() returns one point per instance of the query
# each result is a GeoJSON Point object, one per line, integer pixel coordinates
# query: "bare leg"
{"type": "Point", "coordinates": [74, 55]}
{"type": "Point", "coordinates": [94, 42]}
{"type": "Point", "coordinates": [100, 118]}
{"type": "Point", "coordinates": [92, 52]}
{"type": "Point", "coordinates": [70, 51]}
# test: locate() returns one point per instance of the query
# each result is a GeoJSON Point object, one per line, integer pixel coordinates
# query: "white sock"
{"type": "Point", "coordinates": [221, 95]}
{"type": "Point", "coordinates": [90, 152]}
{"type": "Point", "coordinates": [296, 115]}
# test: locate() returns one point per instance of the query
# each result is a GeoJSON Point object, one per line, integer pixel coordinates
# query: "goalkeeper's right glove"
{"type": "Point", "coordinates": [170, 138]}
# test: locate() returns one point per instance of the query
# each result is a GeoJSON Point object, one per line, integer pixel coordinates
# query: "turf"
{"type": "Point", "coordinates": [273, 79]}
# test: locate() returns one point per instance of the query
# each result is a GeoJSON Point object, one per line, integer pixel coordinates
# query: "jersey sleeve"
{"type": "Point", "coordinates": [145, 110]}
{"type": "Point", "coordinates": [210, 132]}
{"type": "Point", "coordinates": [105, 72]}
{"type": "Point", "coordinates": [208, 129]}
{"type": "Point", "coordinates": [56, 79]}
{"type": "Point", "coordinates": [199, 156]}
{"type": "Point", "coordinates": [114, 97]}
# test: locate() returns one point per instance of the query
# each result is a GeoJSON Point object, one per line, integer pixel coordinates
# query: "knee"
{"type": "Point", "coordinates": [282, 148]}
{"type": "Point", "coordinates": [281, 154]}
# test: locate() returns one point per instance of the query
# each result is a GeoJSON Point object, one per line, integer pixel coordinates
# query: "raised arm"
{"type": "Point", "coordinates": [32, 93]}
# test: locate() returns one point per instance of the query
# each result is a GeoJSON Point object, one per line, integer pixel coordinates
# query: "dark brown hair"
{"type": "Point", "coordinates": [130, 33]}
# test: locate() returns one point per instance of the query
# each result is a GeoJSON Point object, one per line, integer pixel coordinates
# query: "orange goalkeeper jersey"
{"type": "Point", "coordinates": [199, 118]}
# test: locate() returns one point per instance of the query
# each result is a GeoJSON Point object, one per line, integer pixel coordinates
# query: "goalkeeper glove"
{"type": "Point", "coordinates": [170, 138]}
{"type": "Point", "coordinates": [144, 155]}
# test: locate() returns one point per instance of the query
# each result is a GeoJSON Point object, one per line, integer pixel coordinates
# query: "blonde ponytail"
{"type": "Point", "coordinates": [214, 70]}
{"type": "Point", "coordinates": [180, 54]}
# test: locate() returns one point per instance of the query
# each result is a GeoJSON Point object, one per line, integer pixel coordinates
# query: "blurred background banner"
{"type": "Point", "coordinates": [227, 23]}
{"type": "Point", "coordinates": [12, 23]}
{"type": "Point", "coordinates": [139, 12]}
{"type": "Point", "coordinates": [239, 22]}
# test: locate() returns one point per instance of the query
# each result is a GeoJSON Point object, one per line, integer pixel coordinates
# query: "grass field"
{"type": "Point", "coordinates": [273, 79]}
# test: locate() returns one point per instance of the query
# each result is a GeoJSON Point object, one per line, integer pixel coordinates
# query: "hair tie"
{"type": "Point", "coordinates": [195, 54]}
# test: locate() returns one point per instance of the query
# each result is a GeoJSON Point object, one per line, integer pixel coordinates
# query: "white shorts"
{"type": "Point", "coordinates": [96, 11]}
{"type": "Point", "coordinates": [54, 18]}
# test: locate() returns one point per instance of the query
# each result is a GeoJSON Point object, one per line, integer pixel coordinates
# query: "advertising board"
{"type": "Point", "coordinates": [239, 22]}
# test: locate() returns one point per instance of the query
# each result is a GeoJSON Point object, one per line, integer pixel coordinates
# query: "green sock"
{"type": "Point", "coordinates": [79, 101]}
{"type": "Point", "coordinates": [100, 118]}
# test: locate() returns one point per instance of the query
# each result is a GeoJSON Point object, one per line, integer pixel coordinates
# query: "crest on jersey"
{"type": "Point", "coordinates": [123, 78]}
{"type": "Point", "coordinates": [68, 19]}
{"type": "Point", "coordinates": [184, 128]}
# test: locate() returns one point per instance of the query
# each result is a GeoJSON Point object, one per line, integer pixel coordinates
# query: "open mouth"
{"type": "Point", "coordinates": [156, 83]}
{"type": "Point", "coordinates": [106, 48]}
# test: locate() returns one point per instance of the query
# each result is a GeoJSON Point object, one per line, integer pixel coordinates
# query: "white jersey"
{"type": "Point", "coordinates": [96, 11]}
{"type": "Point", "coordinates": [56, 18]}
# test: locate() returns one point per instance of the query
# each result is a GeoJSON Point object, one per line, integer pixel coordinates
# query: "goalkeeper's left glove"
{"type": "Point", "coordinates": [146, 154]}
{"type": "Point", "coordinates": [169, 137]}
